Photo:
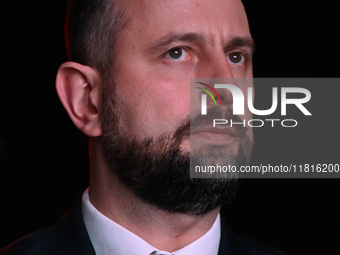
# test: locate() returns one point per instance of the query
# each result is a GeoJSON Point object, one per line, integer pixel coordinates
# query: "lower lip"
{"type": "Point", "coordinates": [213, 138]}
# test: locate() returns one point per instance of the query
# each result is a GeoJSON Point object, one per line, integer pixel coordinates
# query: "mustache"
{"type": "Point", "coordinates": [200, 121]}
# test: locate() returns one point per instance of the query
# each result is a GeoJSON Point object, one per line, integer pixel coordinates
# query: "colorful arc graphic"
{"type": "Point", "coordinates": [210, 93]}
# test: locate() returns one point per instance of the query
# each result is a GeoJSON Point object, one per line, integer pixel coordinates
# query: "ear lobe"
{"type": "Point", "coordinates": [79, 90]}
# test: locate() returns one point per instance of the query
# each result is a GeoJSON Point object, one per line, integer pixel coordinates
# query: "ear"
{"type": "Point", "coordinates": [79, 89]}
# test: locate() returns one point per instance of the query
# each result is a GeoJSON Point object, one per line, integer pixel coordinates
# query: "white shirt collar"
{"type": "Point", "coordinates": [109, 238]}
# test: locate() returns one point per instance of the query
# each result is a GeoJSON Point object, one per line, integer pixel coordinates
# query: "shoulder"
{"type": "Point", "coordinates": [24, 244]}
{"type": "Point", "coordinates": [68, 236]}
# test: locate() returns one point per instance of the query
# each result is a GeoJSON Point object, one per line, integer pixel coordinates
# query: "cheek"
{"type": "Point", "coordinates": [168, 107]}
{"type": "Point", "coordinates": [154, 107]}
{"type": "Point", "coordinates": [153, 100]}
{"type": "Point", "coordinates": [173, 98]}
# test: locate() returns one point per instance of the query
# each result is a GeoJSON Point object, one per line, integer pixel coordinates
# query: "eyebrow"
{"type": "Point", "coordinates": [172, 38]}
{"type": "Point", "coordinates": [239, 41]}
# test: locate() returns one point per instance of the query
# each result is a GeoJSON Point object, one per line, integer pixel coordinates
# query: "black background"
{"type": "Point", "coordinates": [43, 157]}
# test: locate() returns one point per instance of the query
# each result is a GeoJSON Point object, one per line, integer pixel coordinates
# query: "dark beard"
{"type": "Point", "coordinates": [157, 170]}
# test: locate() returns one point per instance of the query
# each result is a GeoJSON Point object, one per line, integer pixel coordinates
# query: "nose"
{"type": "Point", "coordinates": [217, 70]}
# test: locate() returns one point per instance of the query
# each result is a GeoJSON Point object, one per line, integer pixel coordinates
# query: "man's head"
{"type": "Point", "coordinates": [140, 111]}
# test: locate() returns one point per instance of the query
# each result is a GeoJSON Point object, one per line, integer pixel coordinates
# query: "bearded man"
{"type": "Point", "coordinates": [127, 88]}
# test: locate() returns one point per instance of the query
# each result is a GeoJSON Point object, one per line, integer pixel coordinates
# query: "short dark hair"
{"type": "Point", "coordinates": [91, 31]}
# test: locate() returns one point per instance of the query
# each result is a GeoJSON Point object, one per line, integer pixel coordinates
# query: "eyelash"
{"type": "Point", "coordinates": [245, 55]}
{"type": "Point", "coordinates": [185, 49]}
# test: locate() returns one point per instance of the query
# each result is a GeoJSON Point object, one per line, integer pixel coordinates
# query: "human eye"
{"type": "Point", "coordinates": [177, 54]}
{"type": "Point", "coordinates": [236, 58]}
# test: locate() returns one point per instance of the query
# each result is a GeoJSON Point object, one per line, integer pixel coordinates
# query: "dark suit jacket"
{"type": "Point", "coordinates": [69, 236]}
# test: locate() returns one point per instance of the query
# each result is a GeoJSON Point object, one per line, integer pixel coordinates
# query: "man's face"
{"type": "Point", "coordinates": [154, 66]}
{"type": "Point", "coordinates": [167, 43]}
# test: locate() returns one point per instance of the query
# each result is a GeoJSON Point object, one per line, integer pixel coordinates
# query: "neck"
{"type": "Point", "coordinates": [161, 229]}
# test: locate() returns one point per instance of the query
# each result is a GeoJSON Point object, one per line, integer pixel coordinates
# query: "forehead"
{"type": "Point", "coordinates": [216, 19]}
